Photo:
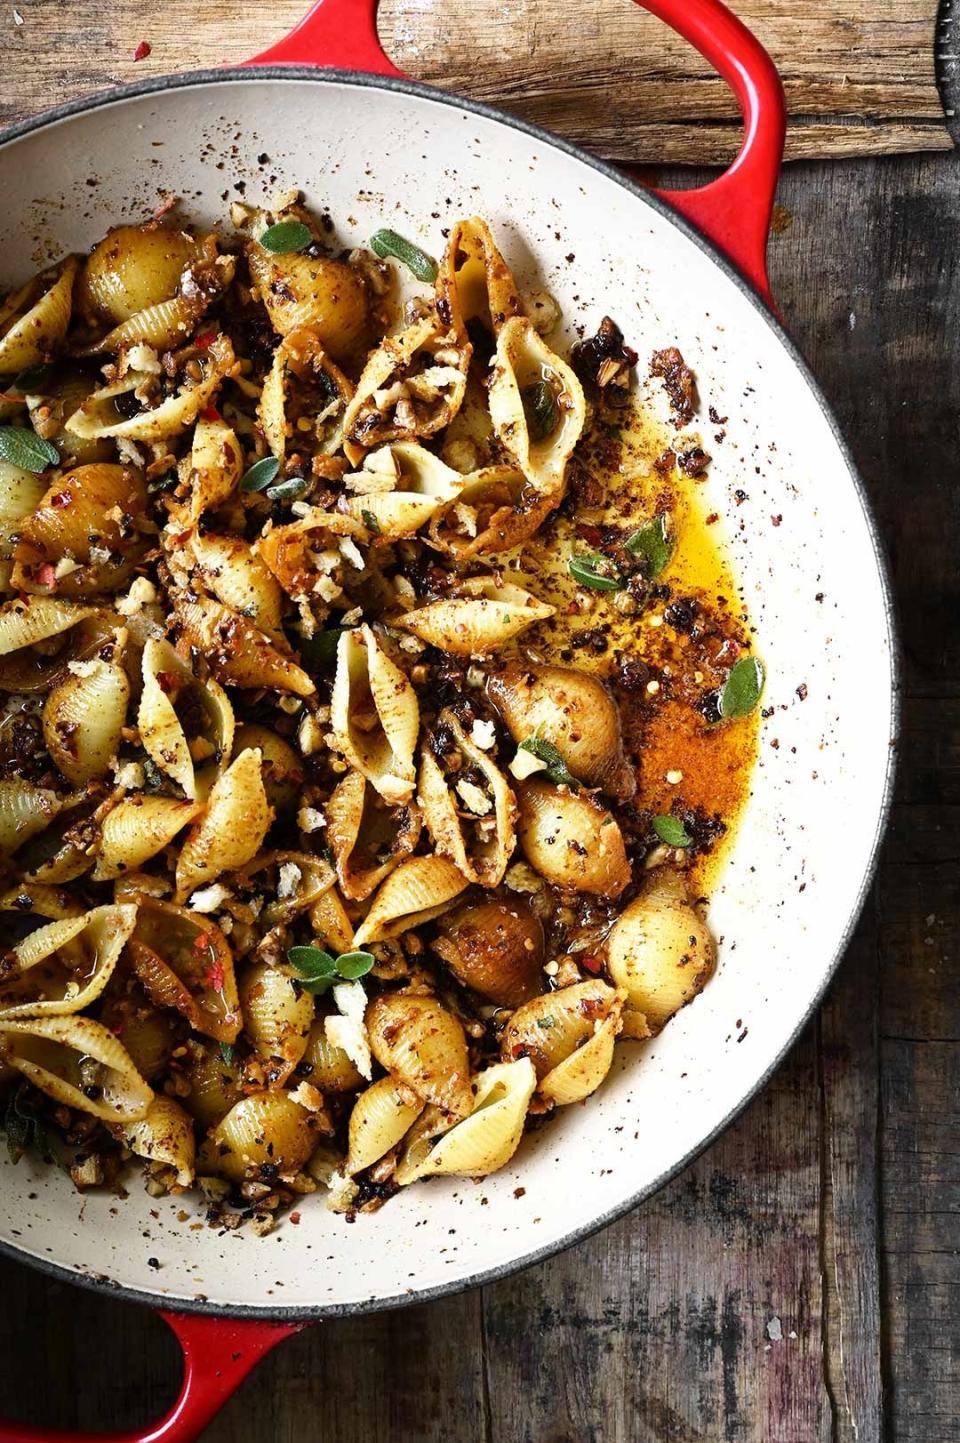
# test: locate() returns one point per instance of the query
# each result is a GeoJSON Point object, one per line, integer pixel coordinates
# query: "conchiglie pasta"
{"type": "Point", "coordinates": [367, 837]}
{"type": "Point", "coordinates": [325, 1065]}
{"type": "Point", "coordinates": [20, 494]}
{"type": "Point", "coordinates": [170, 688]}
{"type": "Point", "coordinates": [25, 810]}
{"type": "Point", "coordinates": [215, 1085]}
{"type": "Point", "coordinates": [136, 829]}
{"type": "Point", "coordinates": [132, 268]}
{"type": "Point", "coordinates": [183, 961]}
{"type": "Point", "coordinates": [415, 892]}
{"type": "Point", "coordinates": [209, 474]}
{"type": "Point", "coordinates": [375, 714]}
{"type": "Point", "coordinates": [77, 1062]}
{"type": "Point", "coordinates": [659, 950]}
{"type": "Point", "coordinates": [475, 282]}
{"type": "Point", "coordinates": [64, 967]}
{"type": "Point", "coordinates": [86, 535]}
{"type": "Point", "coordinates": [277, 1018]}
{"type": "Point", "coordinates": [32, 331]}
{"type": "Point", "coordinates": [411, 386]}
{"type": "Point", "coordinates": [422, 1045]}
{"type": "Point", "coordinates": [570, 840]}
{"type": "Point", "coordinates": [147, 1035]}
{"type": "Point", "coordinates": [83, 719]}
{"type": "Point", "coordinates": [266, 1133]}
{"type": "Point", "coordinates": [164, 1135]}
{"type": "Point", "coordinates": [401, 487]}
{"type": "Point", "coordinates": [481, 616]}
{"type": "Point", "coordinates": [304, 398]}
{"type": "Point", "coordinates": [29, 660]}
{"type": "Point", "coordinates": [380, 1117]}
{"type": "Point", "coordinates": [536, 405]}
{"type": "Point", "coordinates": [170, 416]}
{"type": "Point", "coordinates": [568, 1036]}
{"type": "Point", "coordinates": [239, 654]}
{"type": "Point", "coordinates": [298, 290]}
{"type": "Point", "coordinates": [468, 808]}
{"type": "Point", "coordinates": [235, 575]}
{"type": "Point", "coordinates": [487, 1139]}
{"type": "Point", "coordinates": [232, 828]}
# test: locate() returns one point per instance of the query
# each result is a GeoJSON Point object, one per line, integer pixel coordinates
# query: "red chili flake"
{"type": "Point", "coordinates": [775, 520]}
{"type": "Point", "coordinates": [210, 413]}
{"type": "Point", "coordinates": [573, 608]}
{"type": "Point", "coordinates": [593, 534]}
{"type": "Point", "coordinates": [713, 518]}
{"type": "Point", "coordinates": [593, 965]}
{"type": "Point", "coordinates": [295, 1219]}
{"type": "Point", "coordinates": [202, 342]}
{"type": "Point", "coordinates": [215, 975]}
{"type": "Point", "coordinates": [201, 942]}
{"type": "Point", "coordinates": [167, 682]}
{"type": "Point", "coordinates": [142, 50]}
{"type": "Point", "coordinates": [61, 499]}
{"type": "Point", "coordinates": [47, 576]}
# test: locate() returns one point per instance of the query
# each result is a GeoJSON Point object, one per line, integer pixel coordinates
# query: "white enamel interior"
{"type": "Point", "coordinates": [371, 157]}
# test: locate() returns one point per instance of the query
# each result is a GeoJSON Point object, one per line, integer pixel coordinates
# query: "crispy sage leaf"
{"type": "Point", "coordinates": [556, 767]}
{"type": "Point", "coordinates": [260, 475]}
{"type": "Point", "coordinates": [26, 449]}
{"type": "Point", "coordinates": [671, 831]}
{"type": "Point", "coordinates": [741, 690]}
{"type": "Point", "coordinates": [388, 243]}
{"type": "Point", "coordinates": [653, 544]}
{"type": "Point", "coordinates": [587, 570]}
{"type": "Point", "coordinates": [286, 236]}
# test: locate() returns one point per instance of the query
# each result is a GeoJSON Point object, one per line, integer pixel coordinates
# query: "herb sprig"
{"type": "Point", "coordinates": [318, 970]}
{"type": "Point", "coordinates": [286, 237]}
{"type": "Point", "coordinates": [671, 831]}
{"type": "Point", "coordinates": [27, 450]}
{"type": "Point", "coordinates": [557, 769]}
{"type": "Point", "coordinates": [389, 243]}
{"type": "Point", "coordinates": [742, 689]}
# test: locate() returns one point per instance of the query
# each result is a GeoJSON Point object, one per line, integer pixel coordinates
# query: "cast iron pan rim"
{"type": "Point", "coordinates": [278, 1311]}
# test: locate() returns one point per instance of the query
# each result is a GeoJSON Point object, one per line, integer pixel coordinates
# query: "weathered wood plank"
{"type": "Point", "coordinates": [859, 78]}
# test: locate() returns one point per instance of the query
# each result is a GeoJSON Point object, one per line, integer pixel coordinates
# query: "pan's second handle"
{"type": "Point", "coordinates": [733, 211]}
{"type": "Point", "coordinates": [218, 1353]}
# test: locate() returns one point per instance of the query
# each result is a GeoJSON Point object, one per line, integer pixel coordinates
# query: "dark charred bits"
{"type": "Point", "coordinates": [604, 361]}
{"type": "Point", "coordinates": [682, 614]}
{"type": "Point", "coordinates": [678, 382]}
{"type": "Point", "coordinates": [693, 462]}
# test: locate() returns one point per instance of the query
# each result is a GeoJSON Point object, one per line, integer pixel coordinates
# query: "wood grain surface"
{"type": "Point", "coordinates": [798, 1283]}
{"type": "Point", "coordinates": [859, 75]}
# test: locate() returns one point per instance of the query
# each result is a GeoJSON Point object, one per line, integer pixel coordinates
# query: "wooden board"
{"type": "Point", "coordinates": [859, 75]}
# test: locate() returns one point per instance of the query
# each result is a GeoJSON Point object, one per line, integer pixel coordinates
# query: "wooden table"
{"type": "Point", "coordinates": [799, 1283]}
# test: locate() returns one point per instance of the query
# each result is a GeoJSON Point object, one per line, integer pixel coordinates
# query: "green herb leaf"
{"type": "Point", "coordinates": [546, 1023]}
{"type": "Point", "coordinates": [672, 831]}
{"type": "Point", "coordinates": [288, 490]}
{"type": "Point", "coordinates": [26, 1132]}
{"type": "Point", "coordinates": [653, 544]}
{"type": "Point", "coordinates": [320, 650]}
{"type": "Point", "coordinates": [286, 236]}
{"type": "Point", "coordinates": [587, 570]}
{"type": "Point", "coordinates": [315, 969]}
{"type": "Point", "coordinates": [34, 378]}
{"type": "Point", "coordinates": [352, 965]}
{"type": "Point", "coordinates": [227, 1051]}
{"type": "Point", "coordinates": [741, 690]}
{"type": "Point", "coordinates": [541, 409]}
{"type": "Point", "coordinates": [26, 449]}
{"type": "Point", "coordinates": [260, 475]}
{"type": "Point", "coordinates": [371, 522]}
{"type": "Point", "coordinates": [388, 243]}
{"type": "Point", "coordinates": [546, 752]}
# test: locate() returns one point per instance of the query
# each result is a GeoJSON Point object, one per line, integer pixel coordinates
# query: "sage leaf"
{"type": "Point", "coordinates": [27, 450]}
{"type": "Point", "coordinates": [546, 752]}
{"type": "Point", "coordinates": [671, 831]}
{"type": "Point", "coordinates": [286, 237]}
{"type": "Point", "coordinates": [652, 544]}
{"type": "Point", "coordinates": [586, 569]}
{"type": "Point", "coordinates": [741, 690]}
{"type": "Point", "coordinates": [260, 474]}
{"type": "Point", "coordinates": [388, 243]}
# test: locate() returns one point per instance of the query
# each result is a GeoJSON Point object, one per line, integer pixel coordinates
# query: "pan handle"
{"type": "Point", "coordinates": [218, 1353]}
{"type": "Point", "coordinates": [732, 211]}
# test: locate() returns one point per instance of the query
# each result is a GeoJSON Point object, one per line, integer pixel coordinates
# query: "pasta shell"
{"type": "Point", "coordinates": [327, 1066]}
{"type": "Point", "coordinates": [231, 830]}
{"type": "Point", "coordinates": [31, 620]}
{"type": "Point", "coordinates": [43, 900]}
{"type": "Point", "coordinates": [489, 1137]}
{"type": "Point", "coordinates": [659, 950]}
{"type": "Point", "coordinates": [568, 1036]}
{"type": "Point", "coordinates": [304, 398]}
{"type": "Point", "coordinates": [49, 415]}
{"type": "Point", "coordinates": [132, 268]}
{"type": "Point", "coordinates": [136, 829]}
{"type": "Point", "coordinates": [238, 653]}
{"type": "Point", "coordinates": [480, 617]}
{"type": "Point", "coordinates": [83, 719]}
{"type": "Point", "coordinates": [282, 767]}
{"type": "Point", "coordinates": [277, 1018]}
{"type": "Point", "coordinates": [149, 1036]}
{"type": "Point", "coordinates": [78, 1062]}
{"type": "Point", "coordinates": [415, 486]}
{"type": "Point", "coordinates": [20, 494]}
{"type": "Point", "coordinates": [494, 510]}
{"type": "Point", "coordinates": [64, 967]}
{"type": "Point", "coordinates": [24, 811]}
{"type": "Point", "coordinates": [423, 1045]}
{"type": "Point", "coordinates": [183, 961]}
{"type": "Point", "coordinates": [495, 948]}
{"type": "Point", "coordinates": [380, 1117]}
{"type": "Point", "coordinates": [415, 892]}
{"type": "Point", "coordinates": [166, 324]}
{"type": "Point", "coordinates": [97, 416]}
{"type": "Point", "coordinates": [475, 282]}
{"type": "Point", "coordinates": [90, 520]}
{"type": "Point", "coordinates": [34, 334]}
{"type": "Point", "coordinates": [65, 849]}
{"type": "Point", "coordinates": [375, 715]}
{"type": "Point", "coordinates": [331, 923]}
{"type": "Point", "coordinates": [167, 681]}
{"type": "Point", "coordinates": [571, 841]}
{"type": "Point", "coordinates": [367, 838]}
{"type": "Point", "coordinates": [164, 1135]}
{"type": "Point", "coordinates": [574, 712]}
{"type": "Point", "coordinates": [262, 1135]}
{"type": "Point", "coordinates": [418, 1143]}
{"type": "Point", "coordinates": [299, 290]}
{"type": "Point", "coordinates": [301, 879]}
{"type": "Point", "coordinates": [524, 359]}
{"type": "Point", "coordinates": [412, 385]}
{"type": "Point", "coordinates": [468, 809]}
{"type": "Point", "coordinates": [214, 1086]}
{"type": "Point", "coordinates": [236, 575]}
{"type": "Point", "coordinates": [212, 473]}
{"type": "Point", "coordinates": [294, 552]}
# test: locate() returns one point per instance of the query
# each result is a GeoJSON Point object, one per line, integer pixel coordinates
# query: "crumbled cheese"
{"type": "Point", "coordinates": [353, 617]}
{"type": "Point", "coordinates": [142, 357]}
{"type": "Point", "coordinates": [410, 643]}
{"type": "Point", "coordinates": [653, 687]}
{"type": "Point", "coordinates": [474, 676]}
{"type": "Point", "coordinates": [128, 452]}
{"type": "Point", "coordinates": [288, 881]}
{"type": "Point", "coordinates": [483, 734]}
{"type": "Point", "coordinates": [347, 1029]}
{"type": "Point", "coordinates": [129, 777]}
{"type": "Point", "coordinates": [64, 566]}
{"type": "Point", "coordinates": [351, 552]}
{"type": "Point", "coordinates": [674, 778]}
{"type": "Point", "coordinates": [326, 589]}
{"type": "Point", "coordinates": [208, 899]}
{"type": "Point", "coordinates": [83, 668]}
{"type": "Point", "coordinates": [543, 311]}
{"type": "Point", "coordinates": [307, 1096]}
{"type": "Point", "coordinates": [474, 798]}
{"type": "Point", "coordinates": [342, 1193]}
{"type": "Point", "coordinates": [525, 764]}
{"type": "Point", "coordinates": [310, 734]}
{"type": "Point", "coordinates": [142, 593]}
{"type": "Point", "coordinates": [522, 878]}
{"type": "Point", "coordinates": [310, 820]}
